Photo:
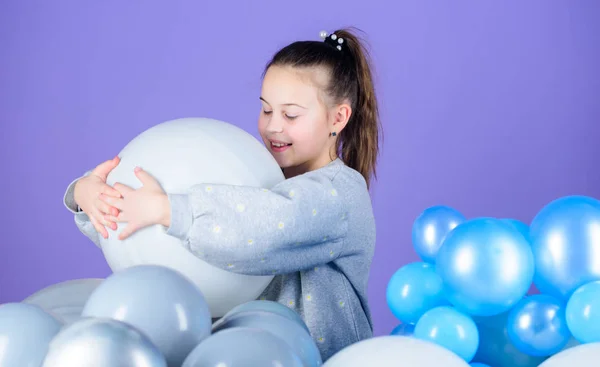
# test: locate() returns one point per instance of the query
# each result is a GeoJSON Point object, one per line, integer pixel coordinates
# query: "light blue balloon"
{"type": "Point", "coordinates": [519, 226]}
{"type": "Point", "coordinates": [583, 313]}
{"type": "Point", "coordinates": [537, 326]}
{"type": "Point", "coordinates": [289, 331]}
{"type": "Point", "coordinates": [102, 342]}
{"type": "Point", "coordinates": [451, 329]}
{"type": "Point", "coordinates": [243, 347]}
{"type": "Point", "coordinates": [413, 290]}
{"type": "Point", "coordinates": [486, 265]}
{"type": "Point", "coordinates": [160, 302]}
{"type": "Point", "coordinates": [25, 334]}
{"type": "Point", "coordinates": [404, 330]}
{"type": "Point", "coordinates": [268, 306]}
{"type": "Point", "coordinates": [431, 227]}
{"type": "Point", "coordinates": [565, 235]}
{"type": "Point", "coordinates": [496, 349]}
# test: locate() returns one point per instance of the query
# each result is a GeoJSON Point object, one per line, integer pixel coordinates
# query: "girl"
{"type": "Point", "coordinates": [315, 230]}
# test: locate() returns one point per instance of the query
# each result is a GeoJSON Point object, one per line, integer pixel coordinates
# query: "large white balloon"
{"type": "Point", "coordinates": [583, 355]}
{"type": "Point", "coordinates": [65, 300]}
{"type": "Point", "coordinates": [395, 351]}
{"type": "Point", "coordinates": [179, 154]}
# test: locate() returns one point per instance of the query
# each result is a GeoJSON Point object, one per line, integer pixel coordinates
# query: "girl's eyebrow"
{"type": "Point", "coordinates": [285, 104]}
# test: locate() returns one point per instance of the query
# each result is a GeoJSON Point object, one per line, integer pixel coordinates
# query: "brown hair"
{"type": "Point", "coordinates": [351, 79]}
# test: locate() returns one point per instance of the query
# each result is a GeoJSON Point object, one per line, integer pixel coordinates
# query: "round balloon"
{"type": "Point", "coordinates": [179, 154]}
{"type": "Point", "coordinates": [431, 227]}
{"type": "Point", "coordinates": [413, 290]}
{"type": "Point", "coordinates": [94, 342]}
{"type": "Point", "coordinates": [66, 299]}
{"type": "Point", "coordinates": [267, 306]}
{"type": "Point", "coordinates": [496, 348]}
{"type": "Point", "coordinates": [289, 331]}
{"type": "Point", "coordinates": [394, 351]}
{"type": "Point", "coordinates": [25, 334]}
{"type": "Point", "coordinates": [404, 330]}
{"type": "Point", "coordinates": [158, 301]}
{"type": "Point", "coordinates": [583, 313]}
{"type": "Point", "coordinates": [520, 226]}
{"type": "Point", "coordinates": [450, 329]}
{"type": "Point", "coordinates": [242, 347]}
{"type": "Point", "coordinates": [584, 355]}
{"type": "Point", "coordinates": [537, 325]}
{"type": "Point", "coordinates": [565, 235]}
{"type": "Point", "coordinates": [486, 265]}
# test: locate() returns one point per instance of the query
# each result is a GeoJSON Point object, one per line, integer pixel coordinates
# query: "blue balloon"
{"type": "Point", "coordinates": [476, 364]}
{"type": "Point", "coordinates": [519, 226]}
{"type": "Point", "coordinates": [451, 329]}
{"type": "Point", "coordinates": [289, 331]}
{"type": "Point", "coordinates": [537, 325]}
{"type": "Point", "coordinates": [413, 290]}
{"type": "Point", "coordinates": [160, 302]}
{"type": "Point", "coordinates": [243, 347]}
{"type": "Point", "coordinates": [583, 313]}
{"type": "Point", "coordinates": [404, 330]}
{"type": "Point", "coordinates": [25, 334]}
{"type": "Point", "coordinates": [564, 238]}
{"type": "Point", "coordinates": [102, 342]}
{"type": "Point", "coordinates": [268, 306]}
{"type": "Point", "coordinates": [431, 227]}
{"type": "Point", "coordinates": [486, 265]}
{"type": "Point", "coordinates": [495, 347]}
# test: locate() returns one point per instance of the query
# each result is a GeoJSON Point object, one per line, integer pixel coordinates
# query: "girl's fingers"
{"type": "Point", "coordinates": [99, 227]}
{"type": "Point", "coordinates": [111, 201]}
{"type": "Point", "coordinates": [104, 207]}
{"type": "Point", "coordinates": [110, 191]}
{"type": "Point", "coordinates": [113, 218]}
{"type": "Point", "coordinates": [99, 216]}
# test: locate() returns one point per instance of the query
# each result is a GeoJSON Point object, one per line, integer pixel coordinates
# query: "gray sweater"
{"type": "Point", "coordinates": [315, 232]}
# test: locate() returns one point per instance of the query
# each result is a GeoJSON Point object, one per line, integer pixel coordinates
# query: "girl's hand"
{"type": "Point", "coordinates": [140, 208]}
{"type": "Point", "coordinates": [87, 196]}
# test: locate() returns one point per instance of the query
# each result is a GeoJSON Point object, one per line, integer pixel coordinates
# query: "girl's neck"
{"type": "Point", "coordinates": [302, 168]}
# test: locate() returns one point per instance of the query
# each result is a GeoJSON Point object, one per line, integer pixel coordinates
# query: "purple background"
{"type": "Point", "coordinates": [492, 107]}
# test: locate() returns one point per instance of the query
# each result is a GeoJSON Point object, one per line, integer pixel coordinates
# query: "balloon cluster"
{"type": "Point", "coordinates": [471, 292]}
{"type": "Point", "coordinates": [148, 316]}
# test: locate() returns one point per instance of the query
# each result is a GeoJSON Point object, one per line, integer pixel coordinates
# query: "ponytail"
{"type": "Point", "coordinates": [352, 80]}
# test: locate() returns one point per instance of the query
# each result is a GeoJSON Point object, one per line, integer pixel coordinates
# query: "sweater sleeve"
{"type": "Point", "coordinates": [296, 225]}
{"type": "Point", "coordinates": [82, 221]}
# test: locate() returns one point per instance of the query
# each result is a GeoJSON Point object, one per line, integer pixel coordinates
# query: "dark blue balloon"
{"type": "Point", "coordinates": [404, 330]}
{"type": "Point", "coordinates": [413, 290]}
{"type": "Point", "coordinates": [451, 329]}
{"type": "Point", "coordinates": [486, 265]}
{"type": "Point", "coordinates": [537, 325]}
{"type": "Point", "coordinates": [564, 239]}
{"type": "Point", "coordinates": [476, 364]}
{"type": "Point", "coordinates": [431, 227]}
{"type": "Point", "coordinates": [496, 349]}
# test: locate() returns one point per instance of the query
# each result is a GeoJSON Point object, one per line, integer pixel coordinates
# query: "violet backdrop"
{"type": "Point", "coordinates": [492, 107]}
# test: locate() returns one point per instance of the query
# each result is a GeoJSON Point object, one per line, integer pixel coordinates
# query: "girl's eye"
{"type": "Point", "coordinates": [290, 117]}
{"type": "Point", "coordinates": [267, 112]}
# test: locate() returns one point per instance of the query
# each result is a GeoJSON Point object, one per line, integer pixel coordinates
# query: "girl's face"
{"type": "Point", "coordinates": [294, 122]}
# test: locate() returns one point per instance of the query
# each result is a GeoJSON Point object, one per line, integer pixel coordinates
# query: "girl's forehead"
{"type": "Point", "coordinates": [282, 85]}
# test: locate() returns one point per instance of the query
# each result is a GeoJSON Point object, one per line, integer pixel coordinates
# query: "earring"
{"type": "Point", "coordinates": [333, 133]}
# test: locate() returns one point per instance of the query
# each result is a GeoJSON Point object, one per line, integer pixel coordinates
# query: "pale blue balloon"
{"type": "Point", "coordinates": [486, 265]}
{"type": "Point", "coordinates": [520, 226]}
{"type": "Point", "coordinates": [431, 227]}
{"type": "Point", "coordinates": [565, 239]}
{"type": "Point", "coordinates": [268, 306]}
{"type": "Point", "coordinates": [495, 347]}
{"type": "Point", "coordinates": [289, 331]}
{"type": "Point", "coordinates": [243, 347]}
{"type": "Point", "coordinates": [404, 330]}
{"type": "Point", "coordinates": [583, 313]}
{"type": "Point", "coordinates": [537, 326]}
{"type": "Point", "coordinates": [102, 342]}
{"type": "Point", "coordinates": [25, 334]}
{"type": "Point", "coordinates": [413, 290]}
{"type": "Point", "coordinates": [451, 329]}
{"type": "Point", "coordinates": [160, 302]}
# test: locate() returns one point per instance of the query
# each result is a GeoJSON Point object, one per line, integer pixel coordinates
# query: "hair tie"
{"type": "Point", "coordinates": [332, 40]}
